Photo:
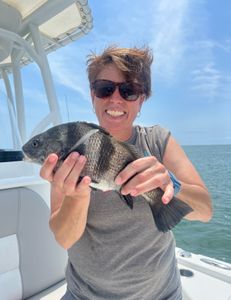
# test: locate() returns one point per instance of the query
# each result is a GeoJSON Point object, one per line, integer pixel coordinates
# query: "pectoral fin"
{"type": "Point", "coordinates": [129, 200]}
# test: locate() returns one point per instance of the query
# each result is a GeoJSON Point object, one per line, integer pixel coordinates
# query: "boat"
{"type": "Point", "coordinates": [32, 264]}
{"type": "Point", "coordinates": [203, 277]}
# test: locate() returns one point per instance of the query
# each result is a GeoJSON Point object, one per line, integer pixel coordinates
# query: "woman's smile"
{"type": "Point", "coordinates": [115, 113]}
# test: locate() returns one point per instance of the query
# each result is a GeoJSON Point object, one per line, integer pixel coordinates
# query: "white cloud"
{"type": "Point", "coordinates": [209, 78]}
{"type": "Point", "coordinates": [213, 45]}
{"type": "Point", "coordinates": [157, 23]}
{"type": "Point", "coordinates": [67, 70]}
{"type": "Point", "coordinates": [168, 35]}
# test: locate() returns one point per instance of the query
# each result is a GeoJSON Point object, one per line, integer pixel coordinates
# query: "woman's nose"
{"type": "Point", "coordinates": [116, 97]}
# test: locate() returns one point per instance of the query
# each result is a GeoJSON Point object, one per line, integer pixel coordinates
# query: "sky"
{"type": "Point", "coordinates": [191, 72]}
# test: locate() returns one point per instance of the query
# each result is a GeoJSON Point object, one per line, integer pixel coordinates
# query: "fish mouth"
{"type": "Point", "coordinates": [115, 112]}
{"type": "Point", "coordinates": [27, 158]}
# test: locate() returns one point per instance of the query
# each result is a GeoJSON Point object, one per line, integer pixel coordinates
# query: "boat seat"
{"type": "Point", "coordinates": [31, 262]}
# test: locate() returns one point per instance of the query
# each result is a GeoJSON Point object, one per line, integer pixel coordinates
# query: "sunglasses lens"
{"type": "Point", "coordinates": [103, 88]}
{"type": "Point", "coordinates": [130, 91]}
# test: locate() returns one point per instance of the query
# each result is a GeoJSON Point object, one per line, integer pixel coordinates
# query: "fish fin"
{"type": "Point", "coordinates": [167, 216]}
{"type": "Point", "coordinates": [94, 188]}
{"type": "Point", "coordinates": [129, 200]}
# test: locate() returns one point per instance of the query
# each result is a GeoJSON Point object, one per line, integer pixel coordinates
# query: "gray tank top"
{"type": "Point", "coordinates": [121, 254]}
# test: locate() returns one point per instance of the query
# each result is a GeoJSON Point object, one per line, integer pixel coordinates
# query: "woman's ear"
{"type": "Point", "coordinates": [142, 99]}
{"type": "Point", "coordinates": [93, 100]}
{"type": "Point", "coordinates": [92, 94]}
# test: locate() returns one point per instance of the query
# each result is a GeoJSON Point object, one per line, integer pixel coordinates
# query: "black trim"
{"type": "Point", "coordinates": [10, 155]}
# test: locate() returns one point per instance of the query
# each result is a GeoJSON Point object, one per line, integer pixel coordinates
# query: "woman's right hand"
{"type": "Point", "coordinates": [66, 177]}
{"type": "Point", "coordinates": [70, 197]}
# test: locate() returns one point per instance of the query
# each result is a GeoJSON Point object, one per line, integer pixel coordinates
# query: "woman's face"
{"type": "Point", "coordinates": [114, 113]}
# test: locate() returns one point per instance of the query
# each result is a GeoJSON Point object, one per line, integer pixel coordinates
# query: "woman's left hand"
{"type": "Point", "coordinates": [144, 175]}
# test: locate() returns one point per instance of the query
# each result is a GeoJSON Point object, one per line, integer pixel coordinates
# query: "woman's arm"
{"type": "Point", "coordinates": [69, 198]}
{"type": "Point", "coordinates": [193, 190]}
{"type": "Point", "coordinates": [147, 173]}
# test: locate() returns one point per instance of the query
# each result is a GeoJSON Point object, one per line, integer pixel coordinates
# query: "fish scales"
{"type": "Point", "coordinates": [98, 153]}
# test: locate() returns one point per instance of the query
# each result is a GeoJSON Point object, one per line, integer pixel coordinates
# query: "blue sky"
{"type": "Point", "coordinates": [191, 73]}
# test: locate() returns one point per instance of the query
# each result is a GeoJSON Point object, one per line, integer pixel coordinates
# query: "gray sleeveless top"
{"type": "Point", "coordinates": [121, 254]}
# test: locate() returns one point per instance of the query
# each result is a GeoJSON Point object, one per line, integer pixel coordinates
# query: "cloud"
{"type": "Point", "coordinates": [207, 80]}
{"type": "Point", "coordinates": [159, 24]}
{"type": "Point", "coordinates": [68, 70]}
{"type": "Point", "coordinates": [213, 45]}
{"type": "Point", "coordinates": [210, 79]}
{"type": "Point", "coordinates": [168, 35]}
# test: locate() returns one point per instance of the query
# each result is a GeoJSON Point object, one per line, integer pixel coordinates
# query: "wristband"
{"type": "Point", "coordinates": [176, 183]}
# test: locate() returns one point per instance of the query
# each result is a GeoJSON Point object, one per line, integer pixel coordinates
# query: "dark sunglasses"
{"type": "Point", "coordinates": [129, 91]}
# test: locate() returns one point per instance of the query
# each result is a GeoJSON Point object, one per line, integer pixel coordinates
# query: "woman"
{"type": "Point", "coordinates": [114, 252]}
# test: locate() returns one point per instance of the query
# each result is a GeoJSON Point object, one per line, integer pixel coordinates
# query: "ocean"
{"type": "Point", "coordinates": [212, 239]}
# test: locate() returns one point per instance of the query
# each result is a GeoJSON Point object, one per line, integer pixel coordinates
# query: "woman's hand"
{"type": "Point", "coordinates": [65, 179]}
{"type": "Point", "coordinates": [70, 197]}
{"type": "Point", "coordinates": [144, 175]}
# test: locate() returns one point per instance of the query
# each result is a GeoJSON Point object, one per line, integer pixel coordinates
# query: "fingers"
{"type": "Point", "coordinates": [46, 171]}
{"type": "Point", "coordinates": [144, 175]}
{"type": "Point", "coordinates": [83, 188]}
{"type": "Point", "coordinates": [168, 193]}
{"type": "Point", "coordinates": [65, 169]}
{"type": "Point", "coordinates": [135, 167]}
{"type": "Point", "coordinates": [69, 180]}
{"type": "Point", "coordinates": [67, 176]}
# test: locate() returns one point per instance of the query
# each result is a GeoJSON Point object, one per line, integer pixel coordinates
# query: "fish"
{"type": "Point", "coordinates": [106, 158]}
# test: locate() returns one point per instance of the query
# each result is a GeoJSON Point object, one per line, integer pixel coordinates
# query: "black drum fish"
{"type": "Point", "coordinates": [106, 157]}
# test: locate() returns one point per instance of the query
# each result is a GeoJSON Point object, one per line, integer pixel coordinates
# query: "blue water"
{"type": "Point", "coordinates": [214, 238]}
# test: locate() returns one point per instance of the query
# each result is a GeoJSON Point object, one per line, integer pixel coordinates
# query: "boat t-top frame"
{"type": "Point", "coordinates": [29, 30]}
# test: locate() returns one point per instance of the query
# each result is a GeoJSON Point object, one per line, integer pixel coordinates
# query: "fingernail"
{"type": "Point", "coordinates": [74, 155]}
{"type": "Point", "coordinates": [118, 180]}
{"type": "Point", "coordinates": [52, 158]}
{"type": "Point", "coordinates": [87, 180]}
{"type": "Point", "coordinates": [82, 159]}
{"type": "Point", "coordinates": [165, 200]}
{"type": "Point", "coordinates": [133, 192]}
{"type": "Point", "coordinates": [123, 192]}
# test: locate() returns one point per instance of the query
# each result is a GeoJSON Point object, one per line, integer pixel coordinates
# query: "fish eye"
{"type": "Point", "coordinates": [35, 143]}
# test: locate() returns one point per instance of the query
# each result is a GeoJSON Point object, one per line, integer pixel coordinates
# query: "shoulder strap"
{"type": "Point", "coordinates": [147, 145]}
{"type": "Point", "coordinates": [148, 142]}
{"type": "Point", "coordinates": [155, 139]}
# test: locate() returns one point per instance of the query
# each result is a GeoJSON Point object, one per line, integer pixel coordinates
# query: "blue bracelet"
{"type": "Point", "coordinates": [176, 183]}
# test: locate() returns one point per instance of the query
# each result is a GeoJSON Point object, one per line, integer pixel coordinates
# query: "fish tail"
{"type": "Point", "coordinates": [167, 216]}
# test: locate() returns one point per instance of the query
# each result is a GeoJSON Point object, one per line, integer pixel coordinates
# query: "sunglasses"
{"type": "Point", "coordinates": [129, 91]}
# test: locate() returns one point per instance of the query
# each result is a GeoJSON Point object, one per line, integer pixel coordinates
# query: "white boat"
{"type": "Point", "coordinates": [32, 265]}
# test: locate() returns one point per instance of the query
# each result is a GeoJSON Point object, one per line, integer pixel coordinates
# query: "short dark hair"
{"type": "Point", "coordinates": [134, 63]}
